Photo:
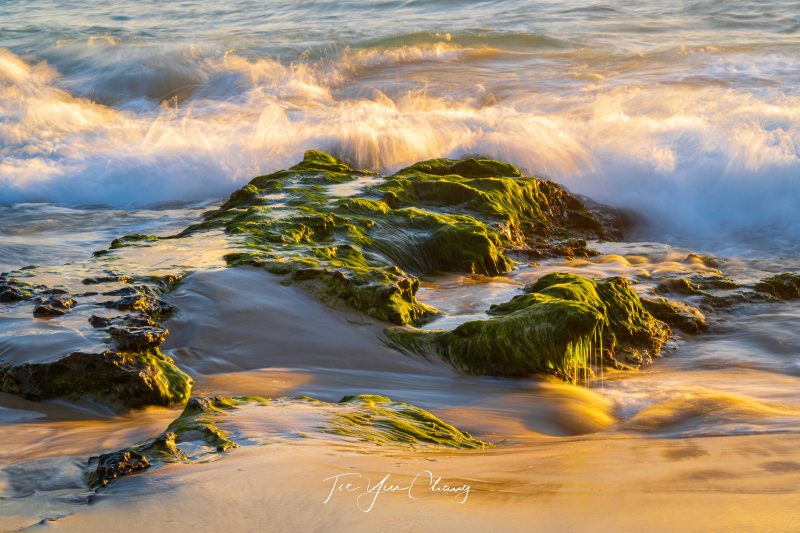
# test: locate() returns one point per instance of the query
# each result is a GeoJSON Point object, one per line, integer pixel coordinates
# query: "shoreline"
{"type": "Point", "coordinates": [578, 484]}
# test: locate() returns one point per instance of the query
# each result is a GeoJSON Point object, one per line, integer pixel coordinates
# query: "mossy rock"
{"type": "Point", "coordinates": [564, 325]}
{"type": "Point", "coordinates": [363, 417]}
{"type": "Point", "coordinates": [368, 250]}
{"type": "Point", "coordinates": [379, 420]}
{"type": "Point", "coordinates": [121, 379]}
{"type": "Point", "coordinates": [135, 238]}
{"type": "Point", "coordinates": [784, 286]}
{"type": "Point", "coordinates": [110, 466]}
{"type": "Point", "coordinates": [467, 168]}
{"type": "Point", "coordinates": [679, 315]}
{"type": "Point", "coordinates": [683, 286]}
{"type": "Point", "coordinates": [525, 206]}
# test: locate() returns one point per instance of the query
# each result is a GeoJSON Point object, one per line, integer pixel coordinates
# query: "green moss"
{"type": "Point", "coordinates": [131, 239]}
{"type": "Point", "coordinates": [683, 286]}
{"type": "Point", "coordinates": [364, 417]}
{"type": "Point", "coordinates": [468, 168]}
{"type": "Point", "coordinates": [563, 325]}
{"type": "Point", "coordinates": [525, 206]}
{"type": "Point", "coordinates": [380, 420]}
{"type": "Point", "coordinates": [121, 379]}
{"type": "Point", "coordinates": [695, 285]}
{"type": "Point", "coordinates": [367, 251]}
{"type": "Point", "coordinates": [199, 414]}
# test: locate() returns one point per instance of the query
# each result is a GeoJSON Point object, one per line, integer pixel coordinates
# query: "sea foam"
{"type": "Point", "coordinates": [135, 125]}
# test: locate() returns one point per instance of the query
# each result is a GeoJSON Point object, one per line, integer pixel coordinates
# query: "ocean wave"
{"type": "Point", "coordinates": [698, 160]}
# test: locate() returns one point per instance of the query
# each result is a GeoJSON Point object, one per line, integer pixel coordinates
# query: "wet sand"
{"type": "Point", "coordinates": [589, 484]}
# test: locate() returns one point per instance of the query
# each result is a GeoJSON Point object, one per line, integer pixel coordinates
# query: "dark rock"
{"type": "Point", "coordinates": [784, 286]}
{"type": "Point", "coordinates": [107, 279]}
{"type": "Point", "coordinates": [121, 379]}
{"type": "Point", "coordinates": [137, 339]}
{"type": "Point", "coordinates": [139, 298]}
{"type": "Point", "coordinates": [10, 294]}
{"type": "Point", "coordinates": [676, 314]}
{"type": "Point", "coordinates": [116, 464]}
{"type": "Point", "coordinates": [53, 307]}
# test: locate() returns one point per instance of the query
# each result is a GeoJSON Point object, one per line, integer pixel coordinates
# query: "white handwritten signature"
{"type": "Point", "coordinates": [367, 493]}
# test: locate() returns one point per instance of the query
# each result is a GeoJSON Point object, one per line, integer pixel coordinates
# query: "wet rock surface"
{"type": "Point", "coordinates": [368, 248]}
{"type": "Point", "coordinates": [110, 466]}
{"type": "Point", "coordinates": [563, 325]}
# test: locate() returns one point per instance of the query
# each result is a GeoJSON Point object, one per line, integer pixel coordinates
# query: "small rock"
{"type": "Point", "coordinates": [113, 465]}
{"type": "Point", "coordinates": [53, 307]}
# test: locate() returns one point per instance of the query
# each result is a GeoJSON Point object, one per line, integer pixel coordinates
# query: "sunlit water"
{"type": "Point", "coordinates": [689, 113]}
{"type": "Point", "coordinates": [132, 117]}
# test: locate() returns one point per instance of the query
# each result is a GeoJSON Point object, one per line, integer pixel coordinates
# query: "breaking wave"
{"type": "Point", "coordinates": [132, 124]}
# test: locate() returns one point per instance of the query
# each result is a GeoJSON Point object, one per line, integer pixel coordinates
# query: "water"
{"type": "Point", "coordinates": [136, 116]}
{"type": "Point", "coordinates": [688, 113]}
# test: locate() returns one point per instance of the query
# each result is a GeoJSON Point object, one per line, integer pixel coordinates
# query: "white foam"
{"type": "Point", "coordinates": [693, 158]}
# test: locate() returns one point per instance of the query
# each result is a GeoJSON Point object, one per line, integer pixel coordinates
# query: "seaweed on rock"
{"type": "Point", "coordinates": [784, 286]}
{"type": "Point", "coordinates": [125, 379]}
{"type": "Point", "coordinates": [367, 250]}
{"type": "Point", "coordinates": [378, 419]}
{"type": "Point", "coordinates": [364, 417]}
{"type": "Point", "coordinates": [564, 324]}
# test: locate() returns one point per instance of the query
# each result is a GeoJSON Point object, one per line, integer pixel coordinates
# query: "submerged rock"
{"type": "Point", "coordinates": [10, 294]}
{"type": "Point", "coordinates": [380, 420]}
{"type": "Point", "coordinates": [121, 379]}
{"type": "Point", "coordinates": [563, 325]}
{"type": "Point", "coordinates": [132, 239]}
{"type": "Point", "coordinates": [107, 279]}
{"type": "Point", "coordinates": [196, 433]}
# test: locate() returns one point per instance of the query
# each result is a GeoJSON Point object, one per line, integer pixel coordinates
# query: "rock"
{"type": "Point", "coordinates": [140, 298]}
{"type": "Point", "coordinates": [10, 294]}
{"type": "Point", "coordinates": [362, 417]}
{"type": "Point", "coordinates": [680, 286]}
{"type": "Point", "coordinates": [367, 250]}
{"type": "Point", "coordinates": [107, 279]}
{"type": "Point", "coordinates": [677, 314]}
{"type": "Point", "coordinates": [704, 260]}
{"type": "Point", "coordinates": [138, 339]}
{"type": "Point", "coordinates": [784, 286]}
{"type": "Point", "coordinates": [53, 307]}
{"type": "Point", "coordinates": [563, 325]}
{"type": "Point", "coordinates": [132, 239]}
{"type": "Point", "coordinates": [115, 378]}
{"type": "Point", "coordinates": [378, 419]}
{"type": "Point", "coordinates": [110, 466]}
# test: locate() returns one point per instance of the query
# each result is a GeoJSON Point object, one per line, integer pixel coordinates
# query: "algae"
{"type": "Point", "coordinates": [368, 251]}
{"type": "Point", "coordinates": [363, 417]}
{"type": "Point", "coordinates": [563, 325]}
{"type": "Point", "coordinates": [379, 420]}
{"type": "Point", "coordinates": [124, 379]}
